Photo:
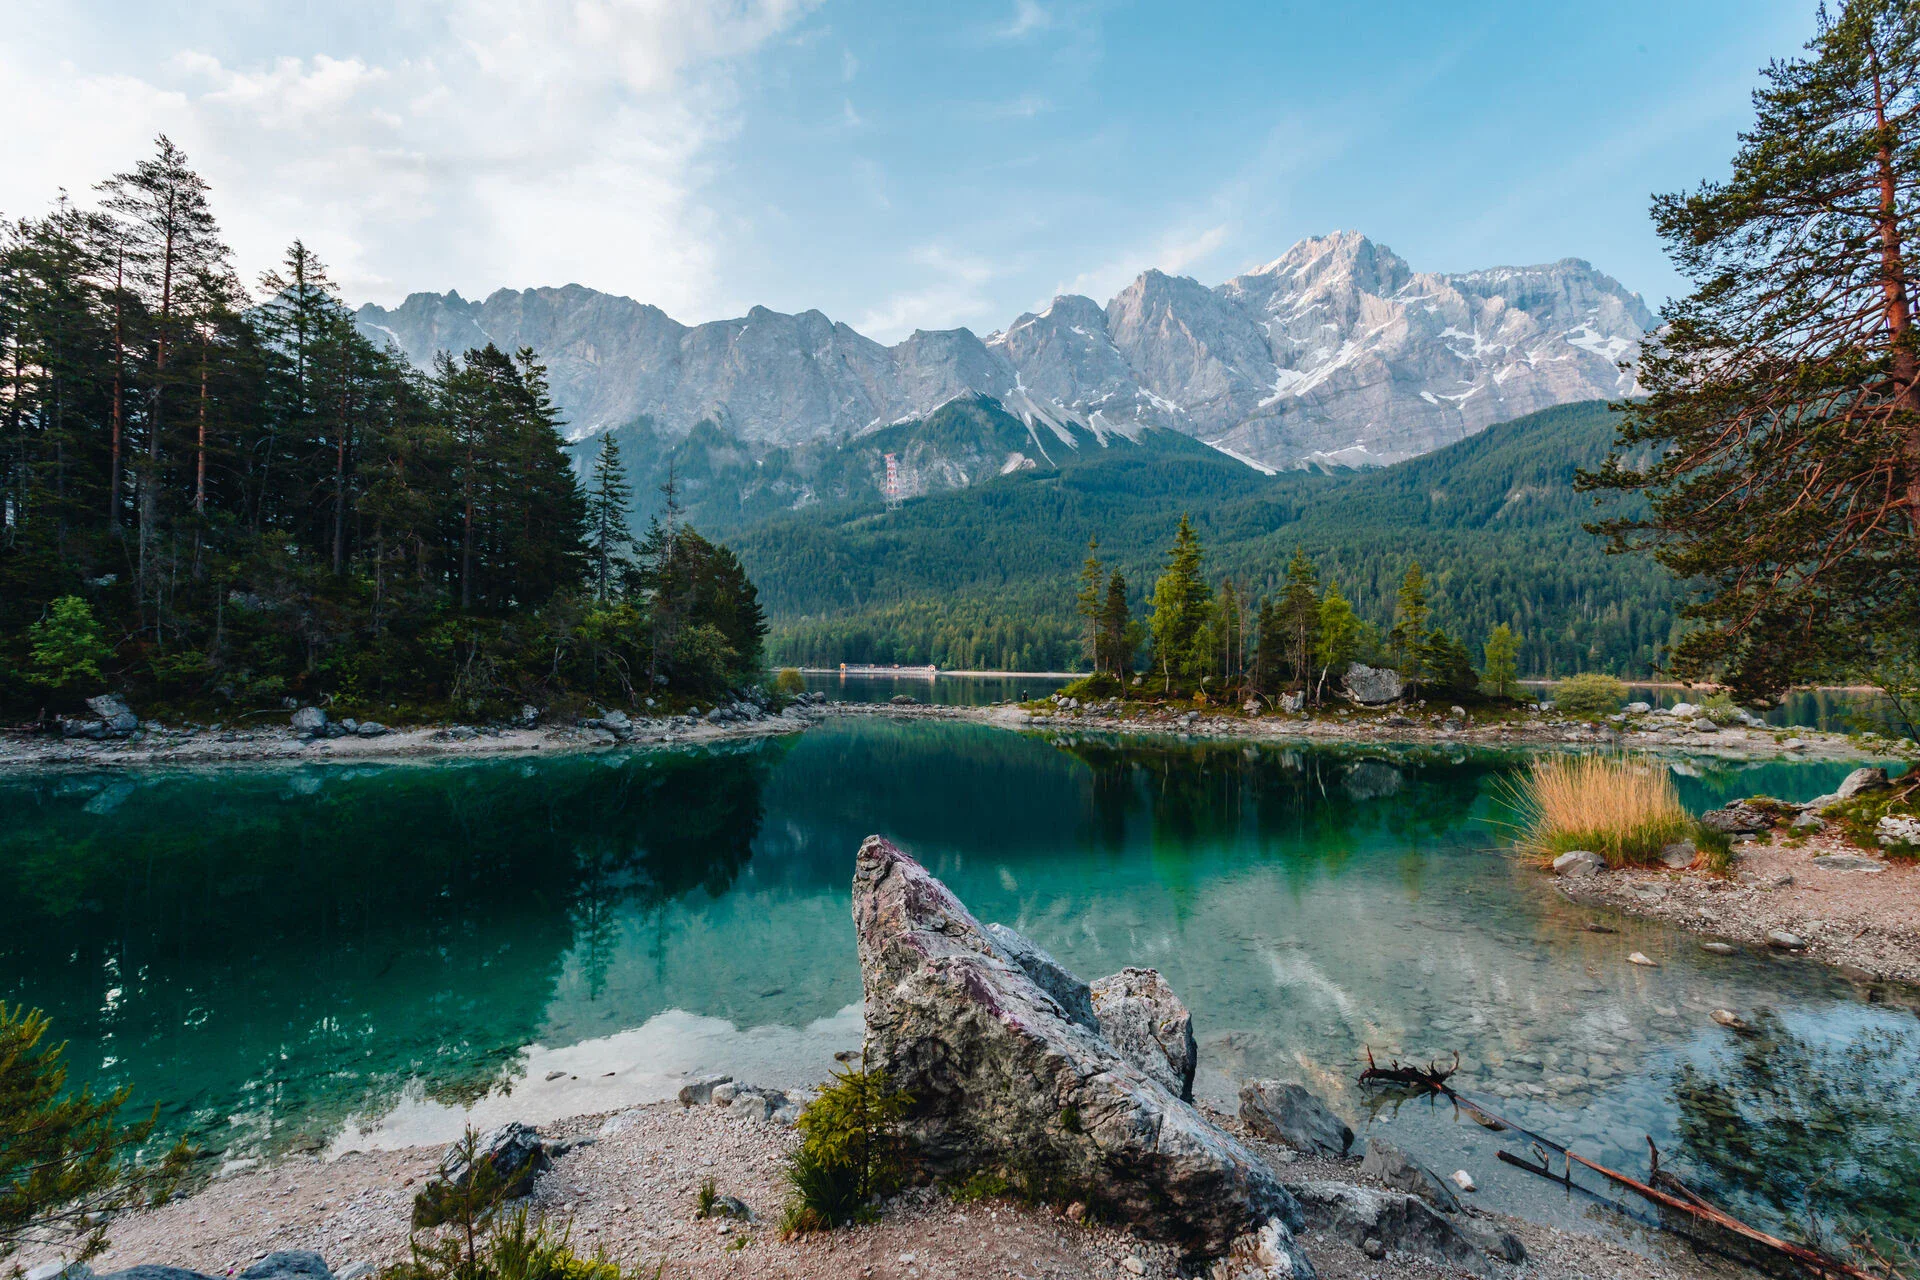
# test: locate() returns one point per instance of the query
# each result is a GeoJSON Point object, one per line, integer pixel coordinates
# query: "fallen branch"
{"type": "Point", "coordinates": [1679, 1198]}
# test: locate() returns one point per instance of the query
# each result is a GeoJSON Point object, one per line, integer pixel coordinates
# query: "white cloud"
{"type": "Point", "coordinates": [1178, 252]}
{"type": "Point", "coordinates": [954, 293]}
{"type": "Point", "coordinates": [1028, 17]}
{"type": "Point", "coordinates": [569, 140]}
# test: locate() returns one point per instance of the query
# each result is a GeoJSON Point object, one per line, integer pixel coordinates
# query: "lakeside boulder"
{"type": "Point", "coordinates": [1001, 1076]}
{"type": "Point", "coordinates": [1372, 686]}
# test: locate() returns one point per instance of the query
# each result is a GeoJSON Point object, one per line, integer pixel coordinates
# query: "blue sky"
{"type": "Point", "coordinates": [897, 165]}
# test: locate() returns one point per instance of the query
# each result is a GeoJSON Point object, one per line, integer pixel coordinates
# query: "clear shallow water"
{"type": "Point", "coordinates": [331, 956]}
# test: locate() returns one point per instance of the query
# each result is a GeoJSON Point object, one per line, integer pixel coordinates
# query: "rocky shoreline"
{"type": "Point", "coordinates": [1052, 1132]}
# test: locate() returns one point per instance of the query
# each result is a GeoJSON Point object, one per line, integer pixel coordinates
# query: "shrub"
{"type": "Point", "coordinates": [1720, 709]}
{"type": "Point", "coordinates": [1094, 686]}
{"type": "Point", "coordinates": [67, 646]}
{"type": "Point", "coordinates": [789, 681]}
{"type": "Point", "coordinates": [850, 1153]}
{"type": "Point", "coordinates": [1621, 808]}
{"type": "Point", "coordinates": [63, 1156]}
{"type": "Point", "coordinates": [1589, 695]}
{"type": "Point", "coordinates": [523, 1246]}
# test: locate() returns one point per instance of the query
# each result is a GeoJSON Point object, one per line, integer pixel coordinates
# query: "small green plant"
{"type": "Point", "coordinates": [1720, 708]}
{"type": "Point", "coordinates": [1716, 849]}
{"type": "Point", "coordinates": [981, 1184]}
{"type": "Point", "coordinates": [706, 1200]}
{"type": "Point", "coordinates": [66, 646]}
{"type": "Point", "coordinates": [522, 1246]}
{"type": "Point", "coordinates": [1589, 695]}
{"type": "Point", "coordinates": [1859, 818]}
{"type": "Point", "coordinates": [789, 681]}
{"type": "Point", "coordinates": [1094, 686]}
{"type": "Point", "coordinates": [65, 1158]}
{"type": "Point", "coordinates": [851, 1152]}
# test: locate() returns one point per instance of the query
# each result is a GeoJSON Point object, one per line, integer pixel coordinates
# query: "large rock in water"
{"type": "Point", "coordinates": [1372, 686]}
{"type": "Point", "coordinates": [1142, 1018]}
{"type": "Point", "coordinates": [1001, 1075]}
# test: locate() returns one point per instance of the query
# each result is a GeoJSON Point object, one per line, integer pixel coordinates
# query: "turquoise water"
{"type": "Point", "coordinates": [945, 690]}
{"type": "Point", "coordinates": [330, 956]}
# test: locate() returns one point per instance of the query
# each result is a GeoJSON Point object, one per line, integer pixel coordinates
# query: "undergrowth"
{"type": "Point", "coordinates": [1859, 818]}
{"type": "Point", "coordinates": [851, 1152]}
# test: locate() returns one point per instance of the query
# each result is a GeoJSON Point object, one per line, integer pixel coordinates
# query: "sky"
{"type": "Point", "coordinates": [898, 165]}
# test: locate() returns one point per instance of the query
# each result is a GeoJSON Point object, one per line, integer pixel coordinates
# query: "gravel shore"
{"type": "Point", "coordinates": [629, 1194]}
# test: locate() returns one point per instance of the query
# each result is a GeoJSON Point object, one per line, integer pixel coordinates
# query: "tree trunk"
{"type": "Point", "coordinates": [1893, 281]}
{"type": "Point", "coordinates": [200, 451]}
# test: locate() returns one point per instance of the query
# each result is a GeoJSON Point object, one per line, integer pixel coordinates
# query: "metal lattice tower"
{"type": "Point", "coordinates": [893, 483]}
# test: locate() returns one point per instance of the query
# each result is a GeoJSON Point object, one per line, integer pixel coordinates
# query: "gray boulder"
{"type": "Point", "coordinates": [699, 1092]}
{"type": "Point", "coordinates": [1290, 1115]}
{"type": "Point", "coordinates": [1372, 686]}
{"type": "Point", "coordinates": [1403, 1173]}
{"type": "Point", "coordinates": [1395, 1221]}
{"type": "Point", "coordinates": [514, 1151]}
{"type": "Point", "coordinates": [999, 1077]}
{"type": "Point", "coordinates": [370, 729]}
{"type": "Point", "coordinates": [1679, 855]}
{"type": "Point", "coordinates": [289, 1264]}
{"type": "Point", "coordinates": [1048, 974]}
{"type": "Point", "coordinates": [116, 717]}
{"type": "Point", "coordinates": [1141, 1017]}
{"type": "Point", "coordinates": [148, 1271]}
{"type": "Point", "coordinates": [1737, 819]}
{"type": "Point", "coordinates": [1858, 781]}
{"type": "Point", "coordinates": [1270, 1253]}
{"type": "Point", "coordinates": [309, 720]}
{"type": "Point", "coordinates": [1579, 862]}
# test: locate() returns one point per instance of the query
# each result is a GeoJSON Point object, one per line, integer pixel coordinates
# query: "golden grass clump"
{"type": "Point", "coordinates": [1622, 808]}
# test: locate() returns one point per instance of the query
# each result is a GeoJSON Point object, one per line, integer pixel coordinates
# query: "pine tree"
{"type": "Point", "coordinates": [1502, 670]}
{"type": "Point", "coordinates": [1180, 597]}
{"type": "Point", "coordinates": [1779, 442]}
{"type": "Point", "coordinates": [1299, 616]}
{"type": "Point", "coordinates": [609, 539]}
{"type": "Point", "coordinates": [1270, 650]}
{"type": "Point", "coordinates": [1090, 598]}
{"type": "Point", "coordinates": [1118, 632]}
{"type": "Point", "coordinates": [1410, 614]}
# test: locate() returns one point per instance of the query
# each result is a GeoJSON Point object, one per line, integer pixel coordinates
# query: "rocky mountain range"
{"type": "Point", "coordinates": [1337, 352]}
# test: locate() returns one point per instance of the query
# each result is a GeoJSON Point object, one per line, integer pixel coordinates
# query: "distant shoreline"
{"type": "Point", "coordinates": [915, 673]}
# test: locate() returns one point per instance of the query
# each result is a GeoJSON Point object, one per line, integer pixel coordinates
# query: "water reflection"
{"type": "Point", "coordinates": [289, 958]}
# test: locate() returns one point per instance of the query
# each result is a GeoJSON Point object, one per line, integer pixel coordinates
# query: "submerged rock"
{"type": "Point", "coordinates": [1290, 1115]}
{"type": "Point", "coordinates": [1403, 1173]}
{"type": "Point", "coordinates": [999, 1076]}
{"type": "Point", "coordinates": [1141, 1017]}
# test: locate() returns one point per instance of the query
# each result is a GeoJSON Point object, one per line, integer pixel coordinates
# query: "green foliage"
{"type": "Point", "coordinates": [522, 1246]}
{"type": "Point", "coordinates": [1410, 613]}
{"type": "Point", "coordinates": [972, 578]}
{"type": "Point", "coordinates": [66, 1161]}
{"type": "Point", "coordinates": [1860, 817]}
{"type": "Point", "coordinates": [1500, 675]}
{"type": "Point", "coordinates": [1779, 443]}
{"type": "Point", "coordinates": [1447, 665]}
{"type": "Point", "coordinates": [851, 1151]}
{"type": "Point", "coordinates": [706, 1199]}
{"type": "Point", "coordinates": [468, 1203]}
{"type": "Point", "coordinates": [1097, 686]}
{"type": "Point", "coordinates": [1589, 694]}
{"type": "Point", "coordinates": [982, 1184]}
{"type": "Point", "coordinates": [1180, 598]}
{"type": "Point", "coordinates": [789, 681]}
{"type": "Point", "coordinates": [1720, 708]}
{"type": "Point", "coordinates": [255, 502]}
{"type": "Point", "coordinates": [66, 647]}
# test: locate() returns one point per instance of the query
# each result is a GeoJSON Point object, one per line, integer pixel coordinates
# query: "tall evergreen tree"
{"type": "Point", "coordinates": [1091, 597]}
{"type": "Point", "coordinates": [1299, 616]}
{"type": "Point", "coordinates": [1118, 632]}
{"type": "Point", "coordinates": [1780, 439]}
{"type": "Point", "coordinates": [1270, 650]}
{"type": "Point", "coordinates": [1339, 638]}
{"type": "Point", "coordinates": [1180, 597]}
{"type": "Point", "coordinates": [1410, 614]}
{"type": "Point", "coordinates": [609, 499]}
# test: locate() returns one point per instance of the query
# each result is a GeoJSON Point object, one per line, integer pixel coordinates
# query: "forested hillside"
{"type": "Point", "coordinates": [983, 577]}
{"type": "Point", "coordinates": [220, 497]}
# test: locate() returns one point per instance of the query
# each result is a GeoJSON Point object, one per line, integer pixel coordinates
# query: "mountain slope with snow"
{"type": "Point", "coordinates": [1337, 352]}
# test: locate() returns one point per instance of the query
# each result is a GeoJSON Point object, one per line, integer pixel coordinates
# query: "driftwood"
{"type": "Point", "coordinates": [1662, 1188]}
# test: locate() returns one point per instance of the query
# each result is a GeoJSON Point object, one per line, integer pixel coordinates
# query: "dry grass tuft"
{"type": "Point", "coordinates": [1622, 808]}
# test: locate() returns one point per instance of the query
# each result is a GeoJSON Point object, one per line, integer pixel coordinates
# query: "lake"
{"type": "Point", "coordinates": [324, 957]}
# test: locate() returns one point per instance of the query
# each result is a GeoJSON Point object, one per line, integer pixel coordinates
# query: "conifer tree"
{"type": "Point", "coordinates": [1410, 614]}
{"type": "Point", "coordinates": [1119, 634]}
{"type": "Point", "coordinates": [1090, 598]}
{"type": "Point", "coordinates": [1779, 442]}
{"type": "Point", "coordinates": [1180, 597]}
{"type": "Point", "coordinates": [1270, 649]}
{"type": "Point", "coordinates": [1299, 612]}
{"type": "Point", "coordinates": [609, 539]}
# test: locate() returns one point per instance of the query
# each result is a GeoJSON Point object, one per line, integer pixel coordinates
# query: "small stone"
{"type": "Point", "coordinates": [1579, 863]}
{"type": "Point", "coordinates": [1133, 1266]}
{"type": "Point", "coordinates": [1679, 855]}
{"type": "Point", "coordinates": [1784, 941]}
{"type": "Point", "coordinates": [1794, 744]}
{"type": "Point", "coordinates": [1641, 959]}
{"type": "Point", "coordinates": [1718, 948]}
{"type": "Point", "coordinates": [1727, 1018]}
{"type": "Point", "coordinates": [1076, 1212]}
{"type": "Point", "coordinates": [1809, 822]}
{"type": "Point", "coordinates": [1595, 927]}
{"type": "Point", "coordinates": [1372, 1247]}
{"type": "Point", "coordinates": [1463, 1180]}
